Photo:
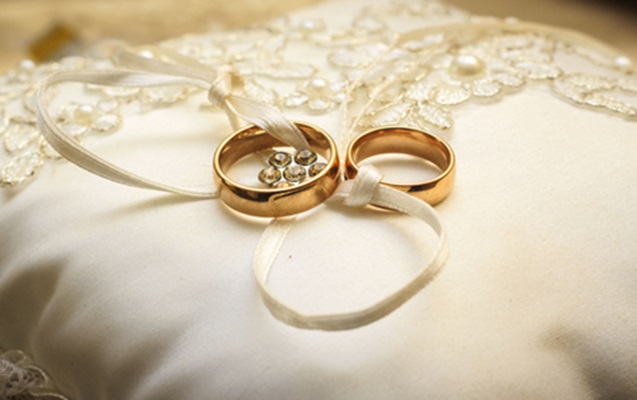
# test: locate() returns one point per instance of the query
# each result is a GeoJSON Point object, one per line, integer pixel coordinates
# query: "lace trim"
{"type": "Point", "coordinates": [416, 83]}
{"type": "Point", "coordinates": [21, 380]}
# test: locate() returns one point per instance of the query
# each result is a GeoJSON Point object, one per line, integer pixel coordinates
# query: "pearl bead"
{"type": "Point", "coordinates": [467, 65]}
{"type": "Point", "coordinates": [623, 62]}
{"type": "Point", "coordinates": [318, 84]}
{"type": "Point", "coordinates": [312, 25]}
{"type": "Point", "coordinates": [146, 54]}
{"type": "Point", "coordinates": [26, 64]}
{"type": "Point", "coordinates": [84, 114]}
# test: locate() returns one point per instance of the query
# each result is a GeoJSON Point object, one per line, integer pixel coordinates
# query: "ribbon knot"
{"type": "Point", "coordinates": [364, 186]}
{"type": "Point", "coordinates": [142, 72]}
{"type": "Point", "coordinates": [222, 87]}
{"type": "Point", "coordinates": [220, 90]}
{"type": "Point", "coordinates": [155, 68]}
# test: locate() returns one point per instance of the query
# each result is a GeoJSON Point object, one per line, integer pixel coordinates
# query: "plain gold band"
{"type": "Point", "coordinates": [275, 202]}
{"type": "Point", "coordinates": [395, 139]}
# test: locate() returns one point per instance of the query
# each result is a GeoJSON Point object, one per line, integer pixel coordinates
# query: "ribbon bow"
{"type": "Point", "coordinates": [169, 68]}
{"type": "Point", "coordinates": [140, 71]}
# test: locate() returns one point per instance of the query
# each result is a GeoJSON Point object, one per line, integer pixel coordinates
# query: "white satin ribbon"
{"type": "Point", "coordinates": [152, 73]}
{"type": "Point", "coordinates": [365, 189]}
{"type": "Point", "coordinates": [220, 92]}
{"type": "Point", "coordinates": [73, 151]}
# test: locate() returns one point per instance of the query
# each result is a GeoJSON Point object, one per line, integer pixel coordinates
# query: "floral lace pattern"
{"type": "Point", "coordinates": [365, 68]}
{"type": "Point", "coordinates": [21, 380]}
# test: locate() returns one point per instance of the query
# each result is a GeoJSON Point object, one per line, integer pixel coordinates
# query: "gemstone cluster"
{"type": "Point", "coordinates": [285, 169]}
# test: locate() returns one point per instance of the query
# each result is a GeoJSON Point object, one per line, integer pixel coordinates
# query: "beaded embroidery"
{"type": "Point", "coordinates": [355, 67]}
{"type": "Point", "coordinates": [21, 380]}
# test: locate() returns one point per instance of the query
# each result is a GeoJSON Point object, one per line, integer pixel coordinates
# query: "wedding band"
{"type": "Point", "coordinates": [410, 141]}
{"type": "Point", "coordinates": [272, 201]}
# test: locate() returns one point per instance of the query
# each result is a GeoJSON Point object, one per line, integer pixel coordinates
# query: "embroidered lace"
{"type": "Point", "coordinates": [21, 380]}
{"type": "Point", "coordinates": [383, 78]}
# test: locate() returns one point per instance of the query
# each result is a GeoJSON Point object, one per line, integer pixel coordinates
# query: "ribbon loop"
{"type": "Point", "coordinates": [220, 86]}
{"type": "Point", "coordinates": [274, 236]}
{"type": "Point", "coordinates": [162, 67]}
{"type": "Point", "coordinates": [365, 189]}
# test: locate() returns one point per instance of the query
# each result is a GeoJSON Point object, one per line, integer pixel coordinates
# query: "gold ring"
{"type": "Point", "coordinates": [306, 191]}
{"type": "Point", "coordinates": [395, 139]}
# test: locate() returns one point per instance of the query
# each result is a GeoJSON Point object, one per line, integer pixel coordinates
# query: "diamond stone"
{"type": "Point", "coordinates": [269, 175]}
{"type": "Point", "coordinates": [295, 173]}
{"type": "Point", "coordinates": [282, 185]}
{"type": "Point", "coordinates": [280, 159]}
{"type": "Point", "coordinates": [305, 157]}
{"type": "Point", "coordinates": [316, 169]}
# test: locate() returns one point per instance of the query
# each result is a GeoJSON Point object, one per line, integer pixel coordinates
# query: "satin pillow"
{"type": "Point", "coordinates": [121, 293]}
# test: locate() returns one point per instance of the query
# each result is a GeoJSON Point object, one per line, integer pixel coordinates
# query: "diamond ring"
{"type": "Point", "coordinates": [293, 183]}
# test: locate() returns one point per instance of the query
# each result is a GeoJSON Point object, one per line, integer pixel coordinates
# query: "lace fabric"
{"type": "Point", "coordinates": [313, 66]}
{"type": "Point", "coordinates": [20, 379]}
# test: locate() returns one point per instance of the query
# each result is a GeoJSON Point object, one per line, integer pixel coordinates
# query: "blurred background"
{"type": "Point", "coordinates": [25, 22]}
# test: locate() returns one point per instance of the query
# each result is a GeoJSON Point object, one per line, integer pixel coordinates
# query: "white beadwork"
{"type": "Point", "coordinates": [417, 82]}
{"type": "Point", "coordinates": [21, 380]}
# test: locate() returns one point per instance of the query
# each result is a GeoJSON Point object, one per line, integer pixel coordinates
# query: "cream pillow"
{"type": "Point", "coordinates": [121, 293]}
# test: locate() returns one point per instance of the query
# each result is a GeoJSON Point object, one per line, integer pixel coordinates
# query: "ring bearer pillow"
{"type": "Point", "coordinates": [117, 292]}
